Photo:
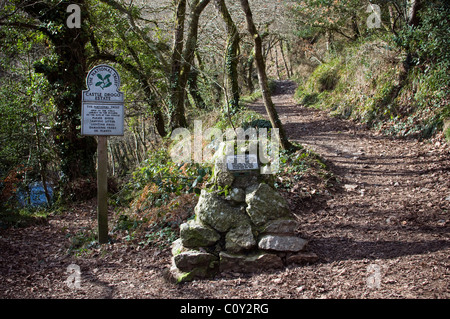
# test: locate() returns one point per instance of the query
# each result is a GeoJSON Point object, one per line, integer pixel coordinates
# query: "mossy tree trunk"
{"type": "Point", "coordinates": [177, 117]}
{"type": "Point", "coordinates": [231, 56]}
{"type": "Point", "coordinates": [249, 71]}
{"type": "Point", "coordinates": [194, 90]}
{"type": "Point", "coordinates": [183, 59]}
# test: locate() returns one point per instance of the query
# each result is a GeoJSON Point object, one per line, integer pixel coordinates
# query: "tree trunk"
{"type": "Point", "coordinates": [231, 55]}
{"type": "Point", "coordinates": [182, 63]}
{"type": "Point", "coordinates": [414, 7]}
{"type": "Point", "coordinates": [392, 19]}
{"type": "Point", "coordinates": [262, 76]}
{"type": "Point", "coordinates": [194, 91]}
{"type": "Point", "coordinates": [177, 117]}
{"type": "Point", "coordinates": [159, 122]}
{"type": "Point", "coordinates": [249, 77]}
{"type": "Point", "coordinates": [276, 63]}
{"type": "Point", "coordinates": [42, 166]}
{"type": "Point", "coordinates": [288, 74]}
{"type": "Point", "coordinates": [356, 32]}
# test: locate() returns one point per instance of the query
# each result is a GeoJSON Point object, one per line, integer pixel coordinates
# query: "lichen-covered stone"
{"type": "Point", "coordinates": [237, 195]}
{"type": "Point", "coordinates": [215, 212]}
{"type": "Point", "coordinates": [280, 226]}
{"type": "Point", "coordinates": [180, 276]}
{"type": "Point", "coordinates": [239, 239]}
{"type": "Point", "coordinates": [282, 243]}
{"type": "Point", "coordinates": [222, 177]}
{"type": "Point", "coordinates": [195, 235]}
{"type": "Point", "coordinates": [265, 204]}
{"type": "Point", "coordinates": [188, 264]}
{"type": "Point", "coordinates": [177, 247]}
{"type": "Point", "coordinates": [247, 180]}
{"type": "Point", "coordinates": [188, 260]}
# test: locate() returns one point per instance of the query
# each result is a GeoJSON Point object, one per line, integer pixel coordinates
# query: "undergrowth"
{"type": "Point", "coordinates": [158, 197]}
{"type": "Point", "coordinates": [22, 217]}
{"type": "Point", "coordinates": [304, 173]}
{"type": "Point", "coordinates": [368, 82]}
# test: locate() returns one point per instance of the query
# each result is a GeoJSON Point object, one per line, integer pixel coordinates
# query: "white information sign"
{"type": "Point", "coordinates": [102, 103]}
{"type": "Point", "coordinates": [242, 162]}
{"type": "Point", "coordinates": [102, 119]}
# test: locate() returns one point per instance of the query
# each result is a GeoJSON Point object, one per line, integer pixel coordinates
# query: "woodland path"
{"type": "Point", "coordinates": [392, 208]}
{"type": "Point", "coordinates": [388, 214]}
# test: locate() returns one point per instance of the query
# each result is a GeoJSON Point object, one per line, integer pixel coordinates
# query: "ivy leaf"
{"type": "Point", "coordinates": [201, 172]}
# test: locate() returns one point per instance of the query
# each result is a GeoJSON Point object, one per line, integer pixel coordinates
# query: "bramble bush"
{"type": "Point", "coordinates": [157, 198]}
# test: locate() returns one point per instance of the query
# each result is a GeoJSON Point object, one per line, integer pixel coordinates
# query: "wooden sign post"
{"type": "Point", "coordinates": [103, 116]}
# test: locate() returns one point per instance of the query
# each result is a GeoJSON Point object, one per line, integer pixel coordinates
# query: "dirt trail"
{"type": "Point", "coordinates": [383, 232]}
{"type": "Point", "coordinates": [393, 206]}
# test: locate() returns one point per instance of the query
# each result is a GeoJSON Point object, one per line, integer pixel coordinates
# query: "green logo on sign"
{"type": "Point", "coordinates": [104, 81]}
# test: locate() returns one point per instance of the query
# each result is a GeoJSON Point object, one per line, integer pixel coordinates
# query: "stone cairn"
{"type": "Point", "coordinates": [242, 224]}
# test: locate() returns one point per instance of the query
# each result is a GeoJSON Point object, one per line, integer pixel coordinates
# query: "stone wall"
{"type": "Point", "coordinates": [242, 224]}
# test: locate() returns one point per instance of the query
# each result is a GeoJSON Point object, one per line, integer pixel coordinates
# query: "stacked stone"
{"type": "Point", "coordinates": [242, 224]}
